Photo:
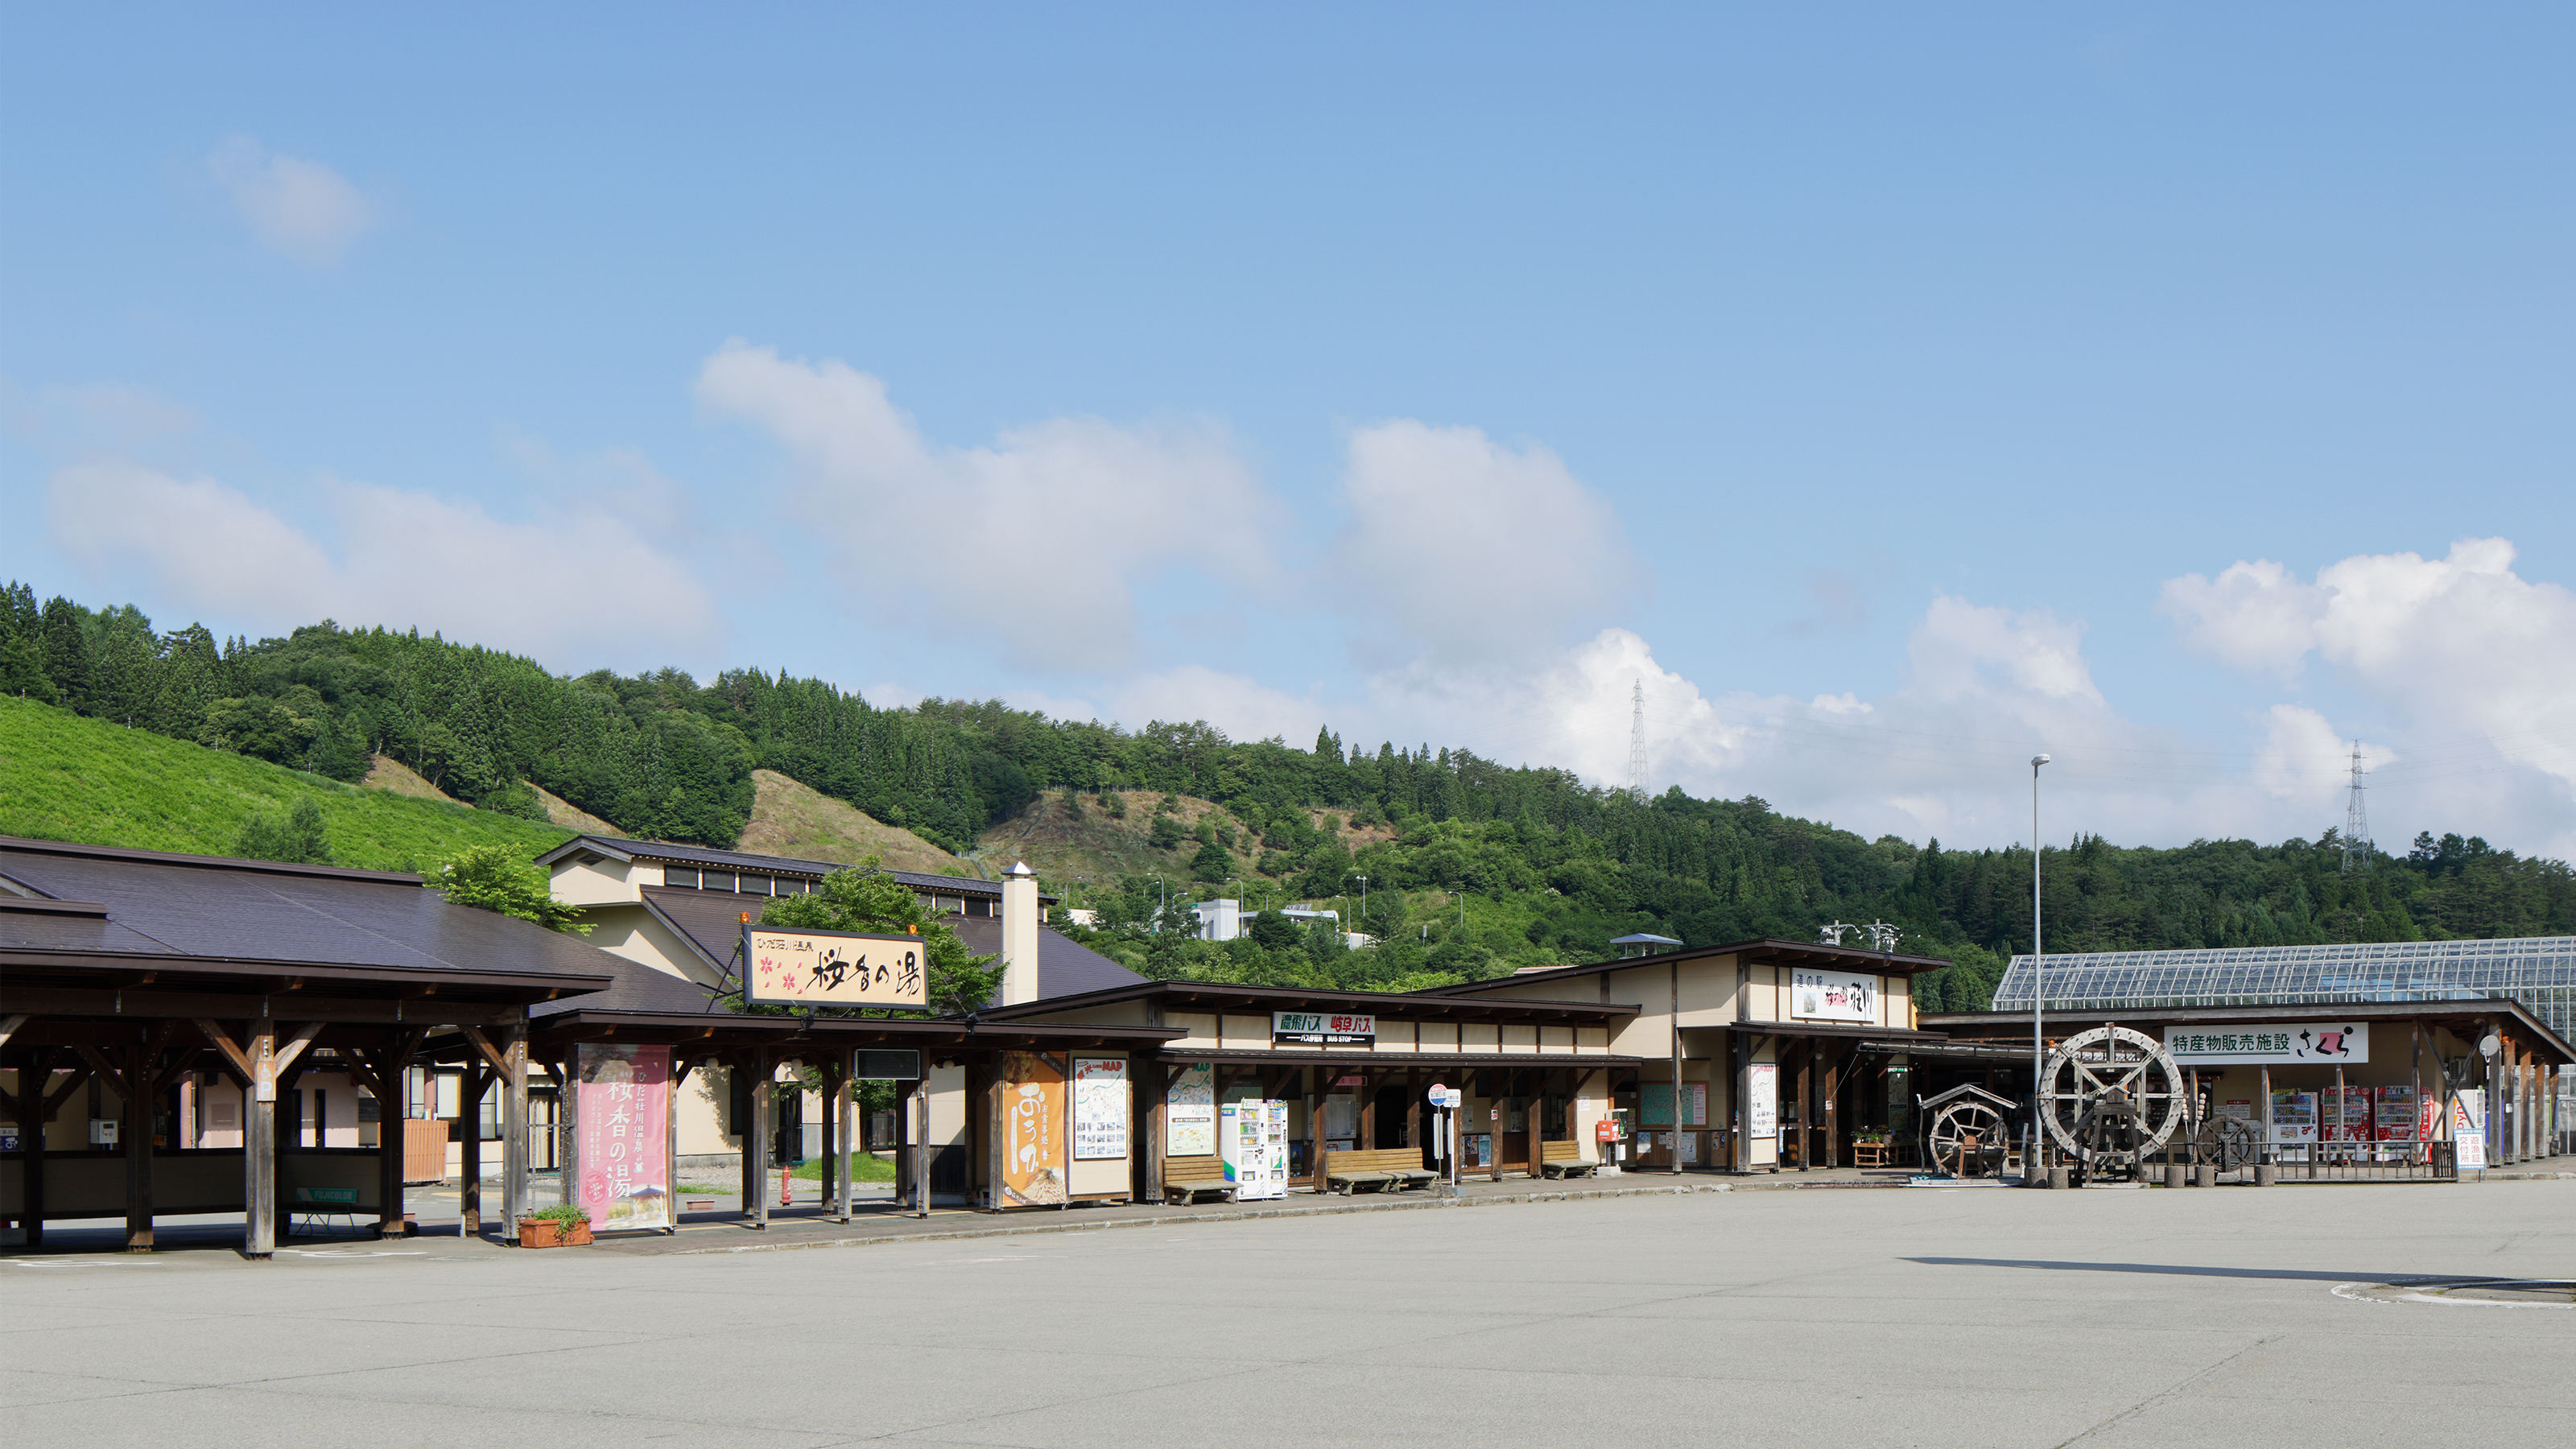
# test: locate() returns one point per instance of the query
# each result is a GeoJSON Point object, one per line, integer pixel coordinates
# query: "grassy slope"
{"type": "Point", "coordinates": [1060, 848]}
{"type": "Point", "coordinates": [791, 819]}
{"type": "Point", "coordinates": [67, 778]}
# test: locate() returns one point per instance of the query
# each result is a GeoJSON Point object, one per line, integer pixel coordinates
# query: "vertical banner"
{"type": "Point", "coordinates": [1189, 1114]}
{"type": "Point", "coordinates": [1099, 1108]}
{"type": "Point", "coordinates": [622, 1113]}
{"type": "Point", "coordinates": [2469, 1129]}
{"type": "Point", "coordinates": [1762, 1110]}
{"type": "Point", "coordinates": [1030, 1135]}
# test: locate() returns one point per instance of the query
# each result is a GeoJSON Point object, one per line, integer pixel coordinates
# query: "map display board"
{"type": "Point", "coordinates": [1189, 1114]}
{"type": "Point", "coordinates": [1099, 1108]}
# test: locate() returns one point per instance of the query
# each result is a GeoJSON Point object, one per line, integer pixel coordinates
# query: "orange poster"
{"type": "Point", "coordinates": [1030, 1134]}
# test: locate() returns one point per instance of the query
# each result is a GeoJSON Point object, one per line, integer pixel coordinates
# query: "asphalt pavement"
{"type": "Point", "coordinates": [1920, 1316]}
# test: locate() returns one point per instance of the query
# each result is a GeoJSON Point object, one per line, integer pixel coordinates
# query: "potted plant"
{"type": "Point", "coordinates": [561, 1226]}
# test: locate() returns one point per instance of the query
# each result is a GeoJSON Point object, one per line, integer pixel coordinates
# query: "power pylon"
{"type": "Point", "coordinates": [2356, 819]}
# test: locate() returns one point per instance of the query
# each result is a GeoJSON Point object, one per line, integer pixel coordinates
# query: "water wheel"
{"type": "Point", "coordinates": [2110, 1098]}
{"type": "Point", "coordinates": [2226, 1143]}
{"type": "Point", "coordinates": [1967, 1139]}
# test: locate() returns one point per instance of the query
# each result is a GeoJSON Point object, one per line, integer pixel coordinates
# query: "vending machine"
{"type": "Point", "coordinates": [1252, 1137]}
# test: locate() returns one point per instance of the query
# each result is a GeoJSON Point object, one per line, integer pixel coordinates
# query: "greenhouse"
{"type": "Point", "coordinates": [2537, 971]}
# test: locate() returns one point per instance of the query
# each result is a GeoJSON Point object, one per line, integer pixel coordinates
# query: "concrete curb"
{"type": "Point", "coordinates": [1246, 1215]}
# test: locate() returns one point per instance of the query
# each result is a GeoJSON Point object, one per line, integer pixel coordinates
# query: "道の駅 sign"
{"type": "Point", "coordinates": [1315, 1028]}
{"type": "Point", "coordinates": [1833, 996]}
{"type": "Point", "coordinates": [2287, 1044]}
{"type": "Point", "coordinates": [833, 968]}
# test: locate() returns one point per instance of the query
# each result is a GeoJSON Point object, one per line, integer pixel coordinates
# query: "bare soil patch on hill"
{"type": "Point", "coordinates": [793, 819]}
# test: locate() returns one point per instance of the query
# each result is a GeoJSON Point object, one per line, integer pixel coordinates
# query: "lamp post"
{"type": "Point", "coordinates": [1164, 894]}
{"type": "Point", "coordinates": [2038, 997]}
{"type": "Point", "coordinates": [1363, 904]}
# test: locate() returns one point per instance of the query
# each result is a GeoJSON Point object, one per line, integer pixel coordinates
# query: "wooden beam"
{"type": "Point", "coordinates": [9, 1026]}
{"type": "Point", "coordinates": [56, 1001]}
{"type": "Point", "coordinates": [296, 1044]}
{"type": "Point", "coordinates": [491, 1053]}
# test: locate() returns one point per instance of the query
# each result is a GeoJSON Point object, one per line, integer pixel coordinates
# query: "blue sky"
{"type": "Point", "coordinates": [1894, 393]}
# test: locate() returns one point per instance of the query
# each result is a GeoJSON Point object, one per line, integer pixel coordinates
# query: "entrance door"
{"type": "Point", "coordinates": [1515, 1136]}
{"type": "Point", "coordinates": [1392, 1105]}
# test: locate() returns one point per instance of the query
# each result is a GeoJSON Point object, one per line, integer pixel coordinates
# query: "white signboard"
{"type": "Point", "coordinates": [1189, 1114]}
{"type": "Point", "coordinates": [1833, 996]}
{"type": "Point", "coordinates": [833, 968]}
{"type": "Point", "coordinates": [2469, 1129]}
{"type": "Point", "coordinates": [1318, 1028]}
{"type": "Point", "coordinates": [1763, 1114]}
{"type": "Point", "coordinates": [1099, 1108]}
{"type": "Point", "coordinates": [2288, 1044]}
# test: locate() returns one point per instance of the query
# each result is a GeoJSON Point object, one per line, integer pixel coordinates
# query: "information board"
{"type": "Point", "coordinates": [1655, 1104]}
{"type": "Point", "coordinates": [1319, 1028]}
{"type": "Point", "coordinates": [1762, 1101]}
{"type": "Point", "coordinates": [1189, 1114]}
{"type": "Point", "coordinates": [1099, 1108]}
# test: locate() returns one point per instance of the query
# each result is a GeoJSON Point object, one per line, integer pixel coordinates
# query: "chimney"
{"type": "Point", "coordinates": [1019, 934]}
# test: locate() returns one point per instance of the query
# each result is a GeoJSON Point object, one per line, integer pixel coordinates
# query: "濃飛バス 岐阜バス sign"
{"type": "Point", "coordinates": [833, 968]}
{"type": "Point", "coordinates": [1323, 1028]}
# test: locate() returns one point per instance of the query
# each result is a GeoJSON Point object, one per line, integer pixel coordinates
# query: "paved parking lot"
{"type": "Point", "coordinates": [1850, 1318]}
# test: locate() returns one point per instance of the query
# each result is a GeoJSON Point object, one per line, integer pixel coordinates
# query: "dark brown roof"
{"type": "Point", "coordinates": [712, 922]}
{"type": "Point", "coordinates": [1292, 998]}
{"type": "Point", "coordinates": [1766, 951]}
{"type": "Point", "coordinates": [148, 906]}
{"type": "Point", "coordinates": [621, 848]}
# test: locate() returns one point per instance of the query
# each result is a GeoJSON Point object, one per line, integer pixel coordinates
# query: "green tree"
{"type": "Point", "coordinates": [865, 898]}
{"type": "Point", "coordinates": [495, 878]}
{"type": "Point", "coordinates": [1276, 932]}
{"type": "Point", "coordinates": [1212, 863]}
{"type": "Point", "coordinates": [297, 837]}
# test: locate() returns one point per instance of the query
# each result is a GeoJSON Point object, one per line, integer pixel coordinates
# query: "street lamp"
{"type": "Point", "coordinates": [1363, 904]}
{"type": "Point", "coordinates": [2038, 998]}
{"type": "Point", "coordinates": [1164, 894]}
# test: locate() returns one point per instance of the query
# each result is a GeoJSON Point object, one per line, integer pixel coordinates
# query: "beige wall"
{"type": "Point", "coordinates": [632, 932]}
{"type": "Point", "coordinates": [600, 882]}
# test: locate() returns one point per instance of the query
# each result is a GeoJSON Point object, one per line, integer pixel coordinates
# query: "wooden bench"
{"type": "Point", "coordinates": [1186, 1177]}
{"type": "Point", "coordinates": [1564, 1159]}
{"type": "Point", "coordinates": [1385, 1168]}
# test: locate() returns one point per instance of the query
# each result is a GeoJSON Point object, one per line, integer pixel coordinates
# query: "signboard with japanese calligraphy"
{"type": "Point", "coordinates": [1833, 996]}
{"type": "Point", "coordinates": [2288, 1044]}
{"type": "Point", "coordinates": [1028, 1137]}
{"type": "Point", "coordinates": [1319, 1028]}
{"type": "Point", "coordinates": [621, 1125]}
{"type": "Point", "coordinates": [1762, 1100]}
{"type": "Point", "coordinates": [1099, 1108]}
{"type": "Point", "coordinates": [833, 968]}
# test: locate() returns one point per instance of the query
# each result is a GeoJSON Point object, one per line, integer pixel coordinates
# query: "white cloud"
{"type": "Point", "coordinates": [1476, 550]}
{"type": "Point", "coordinates": [401, 559]}
{"type": "Point", "coordinates": [2478, 660]}
{"type": "Point", "coordinates": [1062, 519]}
{"type": "Point", "coordinates": [301, 209]}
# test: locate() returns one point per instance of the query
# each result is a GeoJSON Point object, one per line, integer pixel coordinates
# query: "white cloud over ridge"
{"type": "Point", "coordinates": [1475, 550]}
{"type": "Point", "coordinates": [1143, 499]}
{"type": "Point", "coordinates": [300, 209]}
{"type": "Point", "coordinates": [399, 558]}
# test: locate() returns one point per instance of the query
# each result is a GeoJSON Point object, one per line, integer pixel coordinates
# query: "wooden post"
{"type": "Point", "coordinates": [920, 1119]}
{"type": "Point", "coordinates": [755, 1140]}
{"type": "Point", "coordinates": [845, 1163]}
{"type": "Point", "coordinates": [35, 1111]}
{"type": "Point", "coordinates": [137, 1087]}
{"type": "Point", "coordinates": [1832, 1080]}
{"type": "Point", "coordinates": [670, 1139]}
{"type": "Point", "coordinates": [514, 1130]}
{"type": "Point", "coordinates": [470, 1086]}
{"type": "Point", "coordinates": [259, 1144]}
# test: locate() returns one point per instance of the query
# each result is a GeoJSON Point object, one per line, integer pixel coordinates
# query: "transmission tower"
{"type": "Point", "coordinates": [2356, 819]}
{"type": "Point", "coordinates": [1637, 742]}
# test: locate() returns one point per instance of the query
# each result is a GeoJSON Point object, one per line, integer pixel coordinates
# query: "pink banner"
{"type": "Point", "coordinates": [622, 1117]}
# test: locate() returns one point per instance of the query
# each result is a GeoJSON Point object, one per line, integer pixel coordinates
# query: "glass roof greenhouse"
{"type": "Point", "coordinates": [2538, 971]}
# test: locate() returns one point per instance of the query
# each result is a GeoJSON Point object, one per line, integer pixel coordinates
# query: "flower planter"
{"type": "Point", "coordinates": [553, 1233]}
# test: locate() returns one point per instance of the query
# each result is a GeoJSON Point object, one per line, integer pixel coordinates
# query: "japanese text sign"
{"type": "Point", "coordinates": [1833, 996]}
{"type": "Point", "coordinates": [621, 1126]}
{"type": "Point", "coordinates": [833, 968]}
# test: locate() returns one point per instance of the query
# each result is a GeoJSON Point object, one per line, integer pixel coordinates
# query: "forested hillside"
{"type": "Point", "coordinates": [1543, 867]}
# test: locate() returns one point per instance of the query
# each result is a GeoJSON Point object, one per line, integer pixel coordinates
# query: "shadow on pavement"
{"type": "Point", "coordinates": [2188, 1271]}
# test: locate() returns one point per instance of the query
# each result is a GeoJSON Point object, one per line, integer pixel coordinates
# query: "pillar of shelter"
{"type": "Point", "coordinates": [514, 1129]}
{"type": "Point", "coordinates": [919, 1118]}
{"type": "Point", "coordinates": [136, 1085]}
{"type": "Point", "coordinates": [36, 1105]}
{"type": "Point", "coordinates": [763, 1096]}
{"type": "Point", "coordinates": [259, 1143]}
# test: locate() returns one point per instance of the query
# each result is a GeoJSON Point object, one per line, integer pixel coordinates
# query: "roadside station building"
{"type": "Point", "coordinates": [1782, 1050]}
{"type": "Point", "coordinates": [194, 1035]}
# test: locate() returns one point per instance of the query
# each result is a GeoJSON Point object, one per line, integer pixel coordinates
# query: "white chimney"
{"type": "Point", "coordinates": [1019, 934]}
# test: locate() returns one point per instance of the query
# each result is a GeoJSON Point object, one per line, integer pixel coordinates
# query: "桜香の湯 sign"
{"type": "Point", "coordinates": [833, 968]}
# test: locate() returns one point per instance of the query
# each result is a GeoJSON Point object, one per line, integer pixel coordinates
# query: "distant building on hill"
{"type": "Point", "coordinates": [1224, 920]}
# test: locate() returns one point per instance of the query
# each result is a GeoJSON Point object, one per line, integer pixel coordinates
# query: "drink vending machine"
{"type": "Point", "coordinates": [1252, 1137]}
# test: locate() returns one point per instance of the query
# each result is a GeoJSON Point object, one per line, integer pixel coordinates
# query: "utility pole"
{"type": "Point", "coordinates": [2038, 996]}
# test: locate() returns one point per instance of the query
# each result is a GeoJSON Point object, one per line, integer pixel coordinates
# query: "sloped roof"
{"type": "Point", "coordinates": [712, 921]}
{"type": "Point", "coordinates": [139, 903]}
{"type": "Point", "coordinates": [622, 848]}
